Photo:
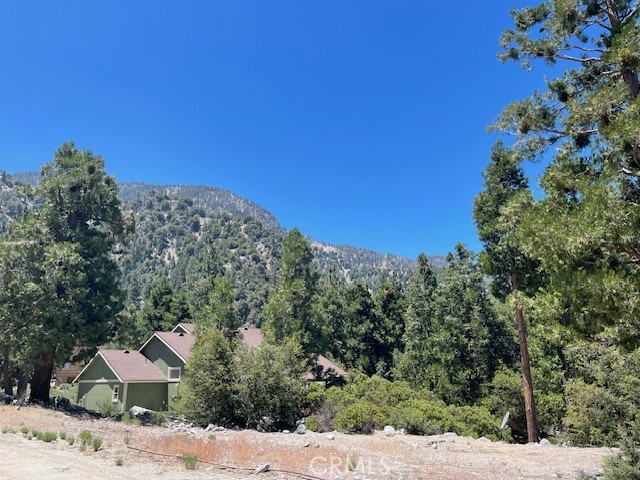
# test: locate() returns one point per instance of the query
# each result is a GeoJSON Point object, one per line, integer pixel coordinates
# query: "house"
{"type": "Point", "coordinates": [121, 378]}
{"type": "Point", "coordinates": [169, 352]}
{"type": "Point", "coordinates": [150, 377]}
{"type": "Point", "coordinates": [324, 368]}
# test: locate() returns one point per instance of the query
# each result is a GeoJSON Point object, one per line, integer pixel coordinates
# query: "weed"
{"type": "Point", "coordinates": [85, 437]}
{"type": "Point", "coordinates": [97, 443]}
{"type": "Point", "coordinates": [63, 435]}
{"type": "Point", "coordinates": [127, 439]}
{"type": "Point", "coordinates": [352, 464]}
{"type": "Point", "coordinates": [212, 436]}
{"type": "Point", "coordinates": [119, 462]}
{"type": "Point", "coordinates": [190, 460]}
{"type": "Point", "coordinates": [24, 430]}
{"type": "Point", "coordinates": [5, 429]}
{"type": "Point", "coordinates": [29, 437]}
{"type": "Point", "coordinates": [71, 439]}
{"type": "Point", "coordinates": [36, 433]}
{"type": "Point", "coordinates": [49, 436]}
{"type": "Point", "coordinates": [83, 447]}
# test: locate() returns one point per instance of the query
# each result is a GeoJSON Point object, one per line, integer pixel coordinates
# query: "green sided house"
{"type": "Point", "coordinates": [169, 352]}
{"type": "Point", "coordinates": [150, 377]}
{"type": "Point", "coordinates": [123, 378]}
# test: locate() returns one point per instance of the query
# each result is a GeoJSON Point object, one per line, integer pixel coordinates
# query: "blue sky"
{"type": "Point", "coordinates": [359, 122]}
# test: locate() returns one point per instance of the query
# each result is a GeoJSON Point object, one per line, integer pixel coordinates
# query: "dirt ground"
{"type": "Point", "coordinates": [236, 454]}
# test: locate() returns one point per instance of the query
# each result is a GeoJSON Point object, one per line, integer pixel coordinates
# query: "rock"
{"type": "Point", "coordinates": [302, 429]}
{"type": "Point", "coordinates": [389, 431]}
{"type": "Point", "coordinates": [450, 435]}
{"type": "Point", "coordinates": [218, 429]}
{"type": "Point", "coordinates": [5, 398]}
{"type": "Point", "coordinates": [141, 413]}
{"type": "Point", "coordinates": [286, 431]}
{"type": "Point", "coordinates": [306, 444]}
{"type": "Point", "coordinates": [210, 427]}
{"type": "Point", "coordinates": [17, 407]}
{"type": "Point", "coordinates": [261, 469]}
{"type": "Point", "coordinates": [330, 436]}
{"type": "Point", "coordinates": [402, 431]}
{"type": "Point", "coordinates": [485, 440]}
{"type": "Point", "coordinates": [434, 446]}
{"type": "Point", "coordinates": [544, 442]}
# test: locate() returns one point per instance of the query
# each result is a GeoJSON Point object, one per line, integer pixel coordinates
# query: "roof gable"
{"type": "Point", "coordinates": [183, 327]}
{"type": "Point", "coordinates": [126, 365]}
{"type": "Point", "coordinates": [178, 343]}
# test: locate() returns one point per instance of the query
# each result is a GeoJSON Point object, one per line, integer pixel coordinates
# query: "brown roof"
{"type": "Point", "coordinates": [180, 343]}
{"type": "Point", "coordinates": [253, 338]}
{"type": "Point", "coordinates": [329, 365]}
{"type": "Point", "coordinates": [132, 366]}
{"type": "Point", "coordinates": [187, 327]}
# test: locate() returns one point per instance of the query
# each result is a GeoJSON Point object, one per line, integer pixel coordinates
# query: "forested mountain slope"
{"type": "Point", "coordinates": [192, 233]}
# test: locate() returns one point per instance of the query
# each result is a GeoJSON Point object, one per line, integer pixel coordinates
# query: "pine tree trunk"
{"type": "Point", "coordinates": [41, 380]}
{"type": "Point", "coordinates": [6, 373]}
{"type": "Point", "coordinates": [22, 384]}
{"type": "Point", "coordinates": [527, 384]}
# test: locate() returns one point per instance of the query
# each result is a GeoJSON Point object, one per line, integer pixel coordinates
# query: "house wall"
{"type": "Point", "coordinates": [95, 396]}
{"type": "Point", "coordinates": [161, 356]}
{"type": "Point", "coordinates": [147, 395]}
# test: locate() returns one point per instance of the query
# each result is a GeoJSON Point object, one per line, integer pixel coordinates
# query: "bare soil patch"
{"type": "Point", "coordinates": [312, 455]}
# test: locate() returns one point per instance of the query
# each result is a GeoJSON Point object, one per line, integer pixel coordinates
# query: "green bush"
{"type": "Point", "coordinates": [71, 439]}
{"type": "Point", "coordinates": [361, 417]}
{"type": "Point", "coordinates": [422, 417]}
{"type": "Point", "coordinates": [63, 435]}
{"type": "Point", "coordinates": [85, 437]}
{"type": "Point", "coordinates": [311, 423]}
{"type": "Point", "coordinates": [97, 443]}
{"type": "Point", "coordinates": [593, 414]}
{"type": "Point", "coordinates": [108, 409]}
{"type": "Point", "coordinates": [190, 461]}
{"type": "Point", "coordinates": [49, 436]}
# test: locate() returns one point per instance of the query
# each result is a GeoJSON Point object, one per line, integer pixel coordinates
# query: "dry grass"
{"type": "Point", "coordinates": [241, 452]}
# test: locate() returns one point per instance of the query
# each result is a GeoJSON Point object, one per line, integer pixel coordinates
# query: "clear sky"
{"type": "Point", "coordinates": [360, 122]}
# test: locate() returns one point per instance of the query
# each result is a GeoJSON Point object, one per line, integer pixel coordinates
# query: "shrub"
{"type": "Point", "coordinates": [97, 443]}
{"type": "Point", "coordinates": [423, 417]}
{"type": "Point", "coordinates": [361, 417]}
{"type": "Point", "coordinates": [71, 439]}
{"type": "Point", "coordinates": [85, 437]}
{"type": "Point", "coordinates": [127, 439]}
{"type": "Point", "coordinates": [108, 409]}
{"type": "Point", "coordinates": [83, 447]}
{"type": "Point", "coordinates": [49, 436]}
{"type": "Point", "coordinates": [593, 414]}
{"type": "Point", "coordinates": [311, 423]}
{"type": "Point", "coordinates": [119, 462]}
{"type": "Point", "coordinates": [24, 430]}
{"type": "Point", "coordinates": [190, 460]}
{"type": "Point", "coordinates": [63, 435]}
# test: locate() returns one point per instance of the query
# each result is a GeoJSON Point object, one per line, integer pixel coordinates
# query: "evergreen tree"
{"type": "Point", "coordinates": [290, 308]}
{"type": "Point", "coordinates": [390, 309]}
{"type": "Point", "coordinates": [209, 389]}
{"type": "Point", "coordinates": [588, 216]}
{"type": "Point", "coordinates": [69, 269]}
{"type": "Point", "coordinates": [419, 322]}
{"type": "Point", "coordinates": [219, 312]}
{"type": "Point", "coordinates": [497, 212]}
{"type": "Point", "coordinates": [163, 310]}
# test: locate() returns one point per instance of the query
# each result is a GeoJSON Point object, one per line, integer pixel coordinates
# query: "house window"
{"type": "Point", "coordinates": [174, 373]}
{"type": "Point", "coordinates": [116, 394]}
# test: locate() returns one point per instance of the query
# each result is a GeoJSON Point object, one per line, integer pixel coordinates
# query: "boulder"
{"type": "Point", "coordinates": [4, 398]}
{"type": "Point", "coordinates": [302, 429]}
{"type": "Point", "coordinates": [544, 442]}
{"type": "Point", "coordinates": [144, 414]}
{"type": "Point", "coordinates": [389, 431]}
